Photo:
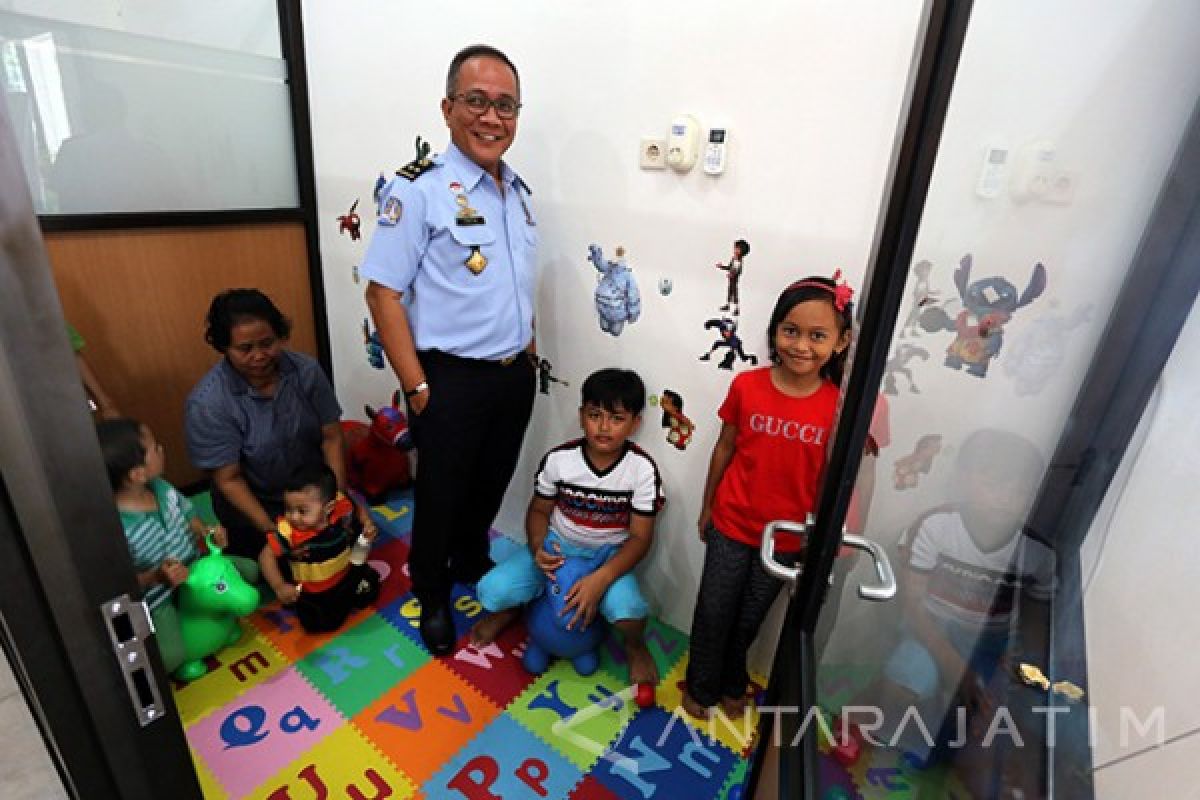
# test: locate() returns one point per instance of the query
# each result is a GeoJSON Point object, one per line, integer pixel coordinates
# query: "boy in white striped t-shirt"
{"type": "Point", "coordinates": [162, 529]}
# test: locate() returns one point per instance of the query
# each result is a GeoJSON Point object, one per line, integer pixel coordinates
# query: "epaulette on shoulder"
{"type": "Point", "coordinates": [415, 169]}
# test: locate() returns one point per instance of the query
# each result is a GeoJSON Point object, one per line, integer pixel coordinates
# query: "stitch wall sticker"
{"type": "Point", "coordinates": [733, 273]}
{"type": "Point", "coordinates": [898, 365]}
{"type": "Point", "coordinates": [617, 297]}
{"type": "Point", "coordinates": [679, 427]}
{"type": "Point", "coordinates": [922, 297]}
{"type": "Point", "coordinates": [372, 345]}
{"type": "Point", "coordinates": [545, 373]}
{"type": "Point", "coordinates": [909, 468]}
{"type": "Point", "coordinates": [988, 303]}
{"type": "Point", "coordinates": [727, 331]}
{"type": "Point", "coordinates": [1040, 349]}
{"type": "Point", "coordinates": [351, 223]}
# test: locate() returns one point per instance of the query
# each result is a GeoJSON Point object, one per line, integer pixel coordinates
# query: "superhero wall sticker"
{"type": "Point", "coordinates": [987, 306]}
{"type": "Point", "coordinates": [617, 297]}
{"type": "Point", "coordinates": [733, 274]}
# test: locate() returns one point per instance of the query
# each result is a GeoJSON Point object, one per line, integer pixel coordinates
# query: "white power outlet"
{"type": "Point", "coordinates": [653, 154]}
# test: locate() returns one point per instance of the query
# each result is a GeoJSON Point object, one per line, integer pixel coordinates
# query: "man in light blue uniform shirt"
{"type": "Point", "coordinates": [452, 273]}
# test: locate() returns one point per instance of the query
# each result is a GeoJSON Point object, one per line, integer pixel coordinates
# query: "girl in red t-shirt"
{"type": "Point", "coordinates": [766, 465]}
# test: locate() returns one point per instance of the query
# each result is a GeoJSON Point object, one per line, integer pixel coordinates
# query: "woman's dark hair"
{"type": "Point", "coordinates": [743, 247]}
{"type": "Point", "coordinates": [812, 288]}
{"type": "Point", "coordinates": [676, 400]}
{"type": "Point", "coordinates": [121, 445]}
{"type": "Point", "coordinates": [238, 305]}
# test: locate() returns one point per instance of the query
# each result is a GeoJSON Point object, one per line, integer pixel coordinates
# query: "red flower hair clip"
{"type": "Point", "coordinates": [842, 293]}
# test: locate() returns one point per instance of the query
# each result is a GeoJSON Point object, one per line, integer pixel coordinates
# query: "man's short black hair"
{"type": "Point", "coordinates": [474, 51]}
{"type": "Point", "coordinates": [313, 473]}
{"type": "Point", "coordinates": [615, 389]}
{"type": "Point", "coordinates": [121, 445]}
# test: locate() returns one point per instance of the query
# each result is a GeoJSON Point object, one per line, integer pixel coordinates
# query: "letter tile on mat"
{"type": "Point", "coordinates": [591, 789]}
{"type": "Point", "coordinates": [577, 716]}
{"type": "Point", "coordinates": [394, 517]}
{"type": "Point", "coordinates": [736, 734]}
{"type": "Point", "coordinates": [495, 669]}
{"type": "Point", "coordinates": [283, 629]}
{"type": "Point", "coordinates": [397, 581]}
{"type": "Point", "coordinates": [658, 754]}
{"type": "Point", "coordinates": [405, 613]}
{"type": "Point", "coordinates": [268, 727]}
{"type": "Point", "coordinates": [666, 644]}
{"type": "Point", "coordinates": [355, 668]}
{"type": "Point", "coordinates": [343, 765]}
{"type": "Point", "coordinates": [423, 721]}
{"type": "Point", "coordinates": [209, 788]}
{"type": "Point", "coordinates": [232, 671]}
{"type": "Point", "coordinates": [507, 761]}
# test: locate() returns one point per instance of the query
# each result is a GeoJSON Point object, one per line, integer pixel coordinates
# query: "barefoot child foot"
{"type": "Point", "coordinates": [485, 631]}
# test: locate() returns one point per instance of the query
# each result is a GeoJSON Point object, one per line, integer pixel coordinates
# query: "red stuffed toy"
{"type": "Point", "coordinates": [376, 456]}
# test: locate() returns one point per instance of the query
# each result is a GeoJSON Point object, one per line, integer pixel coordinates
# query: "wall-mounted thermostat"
{"type": "Point", "coordinates": [715, 150]}
{"type": "Point", "coordinates": [683, 145]}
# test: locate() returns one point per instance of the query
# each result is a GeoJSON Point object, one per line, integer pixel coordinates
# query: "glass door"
{"type": "Point", "coordinates": [1014, 337]}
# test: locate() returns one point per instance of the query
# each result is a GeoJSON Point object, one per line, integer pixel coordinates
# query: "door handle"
{"type": "Point", "coordinates": [886, 589]}
{"type": "Point", "coordinates": [766, 550]}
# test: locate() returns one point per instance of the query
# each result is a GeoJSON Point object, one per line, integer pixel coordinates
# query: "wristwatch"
{"type": "Point", "coordinates": [416, 390]}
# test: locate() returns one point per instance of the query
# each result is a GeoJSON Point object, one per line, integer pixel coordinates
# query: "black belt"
{"type": "Point", "coordinates": [442, 357]}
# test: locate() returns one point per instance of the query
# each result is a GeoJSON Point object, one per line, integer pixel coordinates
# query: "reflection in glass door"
{"type": "Point", "coordinates": [1057, 174]}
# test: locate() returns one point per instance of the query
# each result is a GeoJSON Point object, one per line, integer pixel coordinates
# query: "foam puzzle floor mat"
{"type": "Point", "coordinates": [366, 713]}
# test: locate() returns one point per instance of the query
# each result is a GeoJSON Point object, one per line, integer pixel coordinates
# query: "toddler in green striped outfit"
{"type": "Point", "coordinates": [162, 529]}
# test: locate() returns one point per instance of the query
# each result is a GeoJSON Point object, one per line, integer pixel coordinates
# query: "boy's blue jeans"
{"type": "Point", "coordinates": [517, 580]}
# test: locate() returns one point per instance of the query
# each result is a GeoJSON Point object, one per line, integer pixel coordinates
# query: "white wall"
{"type": "Point", "coordinates": [811, 94]}
{"type": "Point", "coordinates": [1141, 589]}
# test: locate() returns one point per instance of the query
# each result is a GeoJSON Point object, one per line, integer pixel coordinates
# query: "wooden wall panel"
{"type": "Point", "coordinates": [139, 298]}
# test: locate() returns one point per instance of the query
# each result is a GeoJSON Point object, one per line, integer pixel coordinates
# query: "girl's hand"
{"type": "Point", "coordinates": [173, 571]}
{"type": "Point", "coordinates": [703, 523]}
{"type": "Point", "coordinates": [549, 563]}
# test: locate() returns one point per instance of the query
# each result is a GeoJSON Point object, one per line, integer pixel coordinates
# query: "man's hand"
{"type": "Point", "coordinates": [174, 572]}
{"type": "Point", "coordinates": [549, 563]}
{"type": "Point", "coordinates": [417, 403]}
{"type": "Point", "coordinates": [584, 598]}
{"type": "Point", "coordinates": [703, 523]}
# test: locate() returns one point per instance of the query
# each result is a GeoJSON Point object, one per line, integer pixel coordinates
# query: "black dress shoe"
{"type": "Point", "coordinates": [437, 628]}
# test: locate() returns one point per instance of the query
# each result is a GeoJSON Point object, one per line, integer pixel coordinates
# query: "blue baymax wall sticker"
{"type": "Point", "coordinates": [988, 304]}
{"type": "Point", "coordinates": [617, 297]}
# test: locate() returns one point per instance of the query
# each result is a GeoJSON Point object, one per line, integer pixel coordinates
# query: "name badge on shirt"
{"type": "Point", "coordinates": [466, 215]}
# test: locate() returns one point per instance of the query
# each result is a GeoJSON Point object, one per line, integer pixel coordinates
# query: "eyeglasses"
{"type": "Point", "coordinates": [478, 103]}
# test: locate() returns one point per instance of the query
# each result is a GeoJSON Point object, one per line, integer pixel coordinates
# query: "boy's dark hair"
{"type": "Point", "coordinates": [743, 247]}
{"type": "Point", "coordinates": [313, 474]}
{"type": "Point", "coordinates": [615, 389]}
{"type": "Point", "coordinates": [121, 445]}
{"type": "Point", "coordinates": [677, 400]}
{"type": "Point", "coordinates": [800, 292]}
{"type": "Point", "coordinates": [233, 306]}
{"type": "Point", "coordinates": [474, 51]}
